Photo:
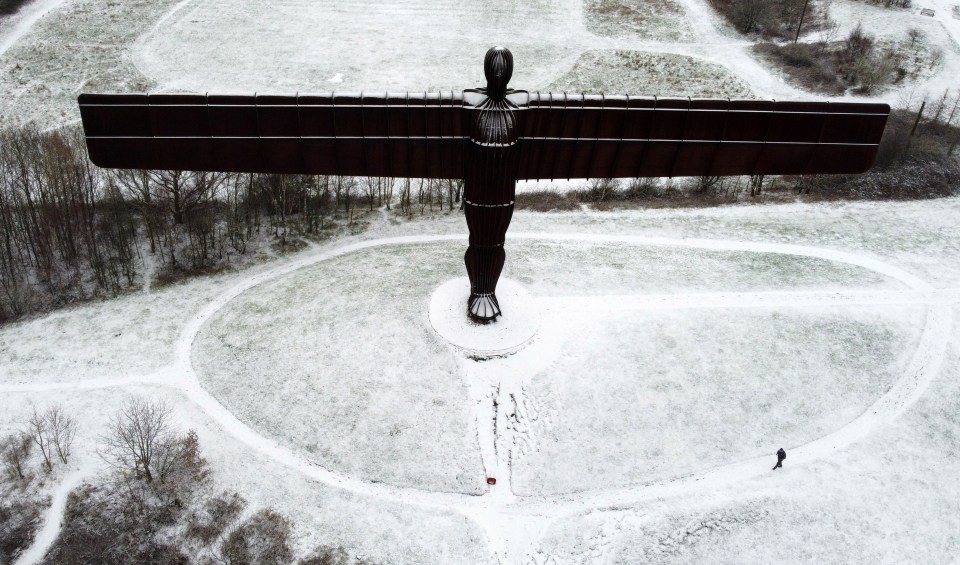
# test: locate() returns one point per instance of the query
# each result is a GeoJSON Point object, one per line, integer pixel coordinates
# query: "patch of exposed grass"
{"type": "Point", "coordinates": [649, 74]}
{"type": "Point", "coordinates": [545, 201]}
{"type": "Point", "coordinates": [661, 20]}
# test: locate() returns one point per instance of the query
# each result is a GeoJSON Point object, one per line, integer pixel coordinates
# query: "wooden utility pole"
{"type": "Point", "coordinates": [916, 122]}
{"type": "Point", "coordinates": [802, 14]}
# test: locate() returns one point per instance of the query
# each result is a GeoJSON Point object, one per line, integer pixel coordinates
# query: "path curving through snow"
{"type": "Point", "coordinates": [514, 523]}
{"type": "Point", "coordinates": [491, 511]}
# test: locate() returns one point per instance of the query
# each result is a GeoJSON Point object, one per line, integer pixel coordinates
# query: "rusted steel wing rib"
{"type": "Point", "coordinates": [399, 135]}
{"type": "Point", "coordinates": [651, 137]}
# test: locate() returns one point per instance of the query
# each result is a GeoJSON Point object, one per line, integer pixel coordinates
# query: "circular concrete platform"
{"type": "Point", "coordinates": [504, 336]}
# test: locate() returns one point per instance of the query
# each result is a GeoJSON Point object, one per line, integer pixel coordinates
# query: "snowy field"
{"type": "Point", "coordinates": [680, 350]}
{"type": "Point", "coordinates": [54, 49]}
{"type": "Point", "coordinates": [639, 425]}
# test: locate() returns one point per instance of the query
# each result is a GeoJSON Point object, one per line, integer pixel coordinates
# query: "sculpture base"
{"type": "Point", "coordinates": [483, 308]}
{"type": "Point", "coordinates": [502, 336]}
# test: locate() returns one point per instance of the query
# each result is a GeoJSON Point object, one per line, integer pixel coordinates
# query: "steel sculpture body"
{"type": "Point", "coordinates": [490, 137]}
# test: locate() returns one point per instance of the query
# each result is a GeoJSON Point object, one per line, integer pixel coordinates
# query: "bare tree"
{"type": "Point", "coordinates": [141, 441]}
{"type": "Point", "coordinates": [454, 190]}
{"type": "Point", "coordinates": [748, 15]}
{"type": "Point", "coordinates": [939, 106]}
{"type": "Point", "coordinates": [706, 184]}
{"type": "Point", "coordinates": [371, 187]}
{"type": "Point", "coordinates": [135, 186]}
{"type": "Point", "coordinates": [600, 189]}
{"type": "Point", "coordinates": [40, 434]}
{"type": "Point", "coordinates": [953, 111]}
{"type": "Point", "coordinates": [183, 191]}
{"type": "Point", "coordinates": [15, 450]}
{"type": "Point", "coordinates": [915, 35]}
{"type": "Point", "coordinates": [62, 429]}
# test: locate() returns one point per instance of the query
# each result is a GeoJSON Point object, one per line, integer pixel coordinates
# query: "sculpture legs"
{"type": "Point", "coordinates": [485, 256]}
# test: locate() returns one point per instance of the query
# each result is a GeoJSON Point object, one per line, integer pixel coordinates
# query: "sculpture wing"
{"type": "Point", "coordinates": [393, 135]}
{"type": "Point", "coordinates": [577, 136]}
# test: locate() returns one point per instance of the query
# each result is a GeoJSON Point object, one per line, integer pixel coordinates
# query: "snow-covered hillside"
{"type": "Point", "coordinates": [677, 350]}
{"type": "Point", "coordinates": [639, 425]}
{"type": "Point", "coordinates": [54, 49]}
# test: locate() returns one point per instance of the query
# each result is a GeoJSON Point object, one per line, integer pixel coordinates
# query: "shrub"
{"type": "Point", "coordinates": [329, 556]}
{"type": "Point", "coordinates": [263, 539]}
{"type": "Point", "coordinates": [598, 190]}
{"type": "Point", "coordinates": [14, 451]}
{"type": "Point", "coordinates": [19, 520]}
{"type": "Point", "coordinates": [11, 6]}
{"type": "Point", "coordinates": [811, 66]}
{"type": "Point", "coordinates": [545, 201]}
{"type": "Point", "coordinates": [218, 512]}
{"type": "Point", "coordinates": [100, 526]}
{"type": "Point", "coordinates": [642, 188]}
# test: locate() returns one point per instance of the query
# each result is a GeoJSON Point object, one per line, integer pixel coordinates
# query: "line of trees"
{"type": "Point", "coordinates": [52, 431]}
{"type": "Point", "coordinates": [70, 231]}
{"type": "Point", "coordinates": [774, 19]}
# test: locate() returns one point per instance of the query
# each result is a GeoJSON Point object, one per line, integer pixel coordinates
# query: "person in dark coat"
{"type": "Point", "coordinates": [781, 455]}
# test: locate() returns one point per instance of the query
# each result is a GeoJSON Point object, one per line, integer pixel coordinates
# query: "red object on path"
{"type": "Point", "coordinates": [491, 481]}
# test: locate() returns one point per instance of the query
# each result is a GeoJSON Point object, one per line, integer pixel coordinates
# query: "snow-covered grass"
{"type": "Point", "coordinates": [734, 382]}
{"type": "Point", "coordinates": [321, 515]}
{"type": "Point", "coordinates": [592, 269]}
{"type": "Point", "coordinates": [307, 342]}
{"type": "Point", "coordinates": [636, 398]}
{"type": "Point", "coordinates": [311, 46]}
{"type": "Point", "coordinates": [339, 355]}
{"type": "Point", "coordinates": [97, 341]}
{"type": "Point", "coordinates": [81, 45]}
{"type": "Point", "coordinates": [304, 342]}
{"type": "Point", "coordinates": [849, 226]}
{"type": "Point", "coordinates": [891, 498]}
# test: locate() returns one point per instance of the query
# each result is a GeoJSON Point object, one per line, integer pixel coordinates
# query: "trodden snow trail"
{"type": "Point", "coordinates": [53, 517]}
{"type": "Point", "coordinates": [514, 524]}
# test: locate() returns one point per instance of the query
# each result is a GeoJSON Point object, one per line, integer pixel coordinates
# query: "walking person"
{"type": "Point", "coordinates": [781, 455]}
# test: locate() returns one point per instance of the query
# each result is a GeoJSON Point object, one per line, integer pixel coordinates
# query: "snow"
{"type": "Point", "coordinates": [47, 535]}
{"type": "Point", "coordinates": [841, 339]}
{"type": "Point", "coordinates": [300, 45]}
{"type": "Point", "coordinates": [501, 337]}
{"type": "Point", "coordinates": [677, 349]}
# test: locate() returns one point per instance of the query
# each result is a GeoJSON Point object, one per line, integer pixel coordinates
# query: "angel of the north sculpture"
{"type": "Point", "coordinates": [489, 137]}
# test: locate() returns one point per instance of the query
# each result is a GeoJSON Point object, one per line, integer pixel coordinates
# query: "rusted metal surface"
{"type": "Point", "coordinates": [422, 135]}
{"type": "Point", "coordinates": [618, 136]}
{"type": "Point", "coordinates": [393, 135]}
{"type": "Point", "coordinates": [490, 137]}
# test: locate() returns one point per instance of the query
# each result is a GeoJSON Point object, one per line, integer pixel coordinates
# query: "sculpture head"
{"type": "Point", "coordinates": [498, 68]}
